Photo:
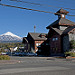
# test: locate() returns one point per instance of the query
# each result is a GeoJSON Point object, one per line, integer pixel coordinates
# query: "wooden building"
{"type": "Point", "coordinates": [33, 41]}
{"type": "Point", "coordinates": [57, 41]}
{"type": "Point", "coordinates": [61, 32]}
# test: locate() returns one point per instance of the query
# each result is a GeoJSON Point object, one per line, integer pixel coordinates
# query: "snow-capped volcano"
{"type": "Point", "coordinates": [10, 37]}
{"type": "Point", "coordinates": [11, 34]}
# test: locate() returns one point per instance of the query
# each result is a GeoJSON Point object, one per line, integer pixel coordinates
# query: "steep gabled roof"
{"type": "Point", "coordinates": [58, 31]}
{"type": "Point", "coordinates": [64, 21]}
{"type": "Point", "coordinates": [61, 22]}
{"type": "Point", "coordinates": [25, 40]}
{"type": "Point", "coordinates": [66, 31]}
{"type": "Point", "coordinates": [37, 36]}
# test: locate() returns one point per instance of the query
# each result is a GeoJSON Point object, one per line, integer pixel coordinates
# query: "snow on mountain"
{"type": "Point", "coordinates": [10, 37]}
{"type": "Point", "coordinates": [11, 34]}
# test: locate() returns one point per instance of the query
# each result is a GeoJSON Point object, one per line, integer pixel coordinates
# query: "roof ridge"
{"type": "Point", "coordinates": [36, 36]}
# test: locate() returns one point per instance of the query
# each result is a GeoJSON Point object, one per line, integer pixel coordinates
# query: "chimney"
{"type": "Point", "coordinates": [42, 35]}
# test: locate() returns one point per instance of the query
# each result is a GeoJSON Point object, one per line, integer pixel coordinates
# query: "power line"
{"type": "Point", "coordinates": [71, 15]}
{"type": "Point", "coordinates": [25, 8]}
{"type": "Point", "coordinates": [34, 3]}
{"type": "Point", "coordinates": [41, 4]}
{"type": "Point", "coordinates": [32, 9]}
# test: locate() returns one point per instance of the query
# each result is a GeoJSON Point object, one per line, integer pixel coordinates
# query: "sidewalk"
{"type": "Point", "coordinates": [13, 61]}
{"type": "Point", "coordinates": [9, 61]}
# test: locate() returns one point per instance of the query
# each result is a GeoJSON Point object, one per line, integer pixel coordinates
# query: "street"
{"type": "Point", "coordinates": [38, 66]}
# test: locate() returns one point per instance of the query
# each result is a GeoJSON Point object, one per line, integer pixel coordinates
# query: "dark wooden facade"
{"type": "Point", "coordinates": [55, 43]}
{"type": "Point", "coordinates": [59, 33]}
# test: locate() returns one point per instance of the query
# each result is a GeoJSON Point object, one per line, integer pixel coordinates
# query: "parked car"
{"type": "Point", "coordinates": [22, 53]}
{"type": "Point", "coordinates": [16, 54]}
{"type": "Point", "coordinates": [3, 53]}
{"type": "Point", "coordinates": [31, 54]}
{"type": "Point", "coordinates": [19, 54]}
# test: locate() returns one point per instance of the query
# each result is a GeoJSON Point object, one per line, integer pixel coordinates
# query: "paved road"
{"type": "Point", "coordinates": [38, 66]}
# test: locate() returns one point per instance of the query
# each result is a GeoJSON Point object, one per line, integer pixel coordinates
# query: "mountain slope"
{"type": "Point", "coordinates": [10, 37]}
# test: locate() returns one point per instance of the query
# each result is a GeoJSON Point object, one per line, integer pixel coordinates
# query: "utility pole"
{"type": "Point", "coordinates": [34, 28]}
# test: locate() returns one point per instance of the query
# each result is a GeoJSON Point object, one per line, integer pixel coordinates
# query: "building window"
{"type": "Point", "coordinates": [39, 50]}
{"type": "Point", "coordinates": [36, 50]}
{"type": "Point", "coordinates": [54, 39]}
{"type": "Point", "coordinates": [47, 44]}
{"type": "Point", "coordinates": [63, 15]}
{"type": "Point", "coordinates": [42, 43]}
{"type": "Point", "coordinates": [37, 44]}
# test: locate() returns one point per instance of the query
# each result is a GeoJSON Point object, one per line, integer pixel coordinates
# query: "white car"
{"type": "Point", "coordinates": [3, 53]}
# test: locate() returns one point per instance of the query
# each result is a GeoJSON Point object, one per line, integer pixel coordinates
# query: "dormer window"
{"type": "Point", "coordinates": [63, 15]}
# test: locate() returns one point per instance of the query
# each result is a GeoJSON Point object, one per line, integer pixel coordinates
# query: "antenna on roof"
{"type": "Point", "coordinates": [34, 28]}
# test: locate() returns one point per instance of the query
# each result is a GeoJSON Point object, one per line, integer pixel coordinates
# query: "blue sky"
{"type": "Point", "coordinates": [20, 21]}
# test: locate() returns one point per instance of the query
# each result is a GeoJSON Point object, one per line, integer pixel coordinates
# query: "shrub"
{"type": "Point", "coordinates": [72, 44]}
{"type": "Point", "coordinates": [4, 57]}
{"type": "Point", "coordinates": [70, 54]}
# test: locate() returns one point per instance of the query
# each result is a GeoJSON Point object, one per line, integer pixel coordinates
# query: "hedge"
{"type": "Point", "coordinates": [4, 57]}
{"type": "Point", "coordinates": [70, 54]}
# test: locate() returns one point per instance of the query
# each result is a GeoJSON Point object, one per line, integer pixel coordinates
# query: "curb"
{"type": "Point", "coordinates": [9, 61]}
{"type": "Point", "coordinates": [69, 57]}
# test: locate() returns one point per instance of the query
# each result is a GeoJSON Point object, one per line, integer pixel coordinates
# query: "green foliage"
{"type": "Point", "coordinates": [72, 44]}
{"type": "Point", "coordinates": [10, 45]}
{"type": "Point", "coordinates": [2, 50]}
{"type": "Point", "coordinates": [4, 57]}
{"type": "Point", "coordinates": [70, 54]}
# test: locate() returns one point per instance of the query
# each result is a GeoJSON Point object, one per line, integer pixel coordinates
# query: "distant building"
{"type": "Point", "coordinates": [33, 41]}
